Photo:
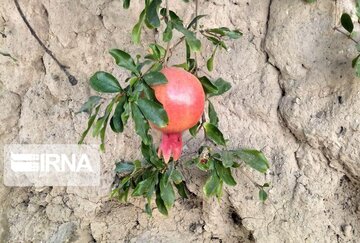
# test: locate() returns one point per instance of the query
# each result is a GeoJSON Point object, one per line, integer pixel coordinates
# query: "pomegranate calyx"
{"type": "Point", "coordinates": [170, 146]}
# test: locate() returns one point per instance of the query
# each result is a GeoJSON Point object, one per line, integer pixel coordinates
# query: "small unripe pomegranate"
{"type": "Point", "coordinates": [183, 99]}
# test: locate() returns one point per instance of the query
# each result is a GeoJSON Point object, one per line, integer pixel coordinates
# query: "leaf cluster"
{"type": "Point", "coordinates": [347, 23]}
{"type": "Point", "coordinates": [150, 177]}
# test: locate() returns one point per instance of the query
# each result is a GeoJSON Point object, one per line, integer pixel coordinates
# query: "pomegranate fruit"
{"type": "Point", "coordinates": [183, 99]}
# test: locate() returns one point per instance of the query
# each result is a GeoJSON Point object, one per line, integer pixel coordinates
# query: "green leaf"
{"type": "Point", "coordinates": [219, 190]}
{"type": "Point", "coordinates": [210, 62]}
{"type": "Point", "coordinates": [146, 151]}
{"type": "Point", "coordinates": [353, 64]}
{"type": "Point", "coordinates": [136, 31]}
{"type": "Point", "coordinates": [148, 209]}
{"type": "Point", "coordinates": [177, 176]}
{"type": "Point", "coordinates": [148, 92]}
{"type": "Point", "coordinates": [141, 125]}
{"type": "Point", "coordinates": [116, 122]}
{"type": "Point", "coordinates": [254, 158]}
{"type": "Point", "coordinates": [142, 187]}
{"type": "Point", "coordinates": [212, 115]}
{"type": "Point", "coordinates": [160, 203]}
{"type": "Point", "coordinates": [105, 83]}
{"type": "Point", "coordinates": [90, 104]}
{"type": "Point", "coordinates": [193, 131]}
{"type": "Point", "coordinates": [358, 8]}
{"type": "Point", "coordinates": [126, 4]}
{"type": "Point", "coordinates": [346, 22]}
{"type": "Point", "coordinates": [224, 31]}
{"type": "Point", "coordinates": [138, 166]}
{"type": "Point", "coordinates": [225, 174]}
{"type": "Point", "coordinates": [167, 193]}
{"type": "Point", "coordinates": [181, 189]}
{"type": "Point", "coordinates": [191, 40]}
{"type": "Point", "coordinates": [167, 35]}
{"type": "Point", "coordinates": [266, 185]}
{"type": "Point", "coordinates": [125, 115]}
{"type": "Point", "coordinates": [155, 78]}
{"type": "Point", "coordinates": [195, 20]}
{"type": "Point", "coordinates": [153, 111]}
{"type": "Point", "coordinates": [211, 185]}
{"type": "Point", "coordinates": [124, 60]}
{"type": "Point", "coordinates": [208, 85]}
{"type": "Point", "coordinates": [152, 13]}
{"type": "Point", "coordinates": [104, 126]}
{"type": "Point", "coordinates": [310, 1]}
{"type": "Point", "coordinates": [263, 195]}
{"type": "Point", "coordinates": [168, 174]}
{"type": "Point", "coordinates": [126, 167]}
{"type": "Point", "coordinates": [150, 155]}
{"type": "Point", "coordinates": [222, 86]}
{"type": "Point", "coordinates": [98, 125]}
{"type": "Point", "coordinates": [227, 158]}
{"type": "Point", "coordinates": [90, 123]}
{"type": "Point", "coordinates": [213, 133]}
{"type": "Point", "coordinates": [357, 67]}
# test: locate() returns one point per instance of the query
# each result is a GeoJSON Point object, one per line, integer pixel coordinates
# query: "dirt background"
{"type": "Point", "coordinates": [294, 95]}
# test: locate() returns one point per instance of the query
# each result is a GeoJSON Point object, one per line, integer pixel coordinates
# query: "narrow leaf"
{"type": "Point", "coordinates": [141, 125]}
{"type": "Point", "coordinates": [214, 133]}
{"type": "Point", "coordinates": [177, 177]}
{"type": "Point", "coordinates": [191, 40]}
{"type": "Point", "coordinates": [148, 209]}
{"type": "Point", "coordinates": [105, 83]}
{"type": "Point", "coordinates": [160, 203]}
{"type": "Point", "coordinates": [211, 185]}
{"type": "Point", "coordinates": [209, 87]}
{"type": "Point", "coordinates": [90, 123]}
{"type": "Point", "coordinates": [263, 195]}
{"type": "Point", "coordinates": [153, 111]}
{"type": "Point", "coordinates": [181, 189]}
{"type": "Point", "coordinates": [193, 131]}
{"type": "Point", "coordinates": [222, 86]}
{"type": "Point", "coordinates": [152, 13]}
{"type": "Point", "coordinates": [227, 158]}
{"type": "Point", "coordinates": [116, 122]}
{"type": "Point", "coordinates": [124, 167]}
{"type": "Point", "coordinates": [126, 4]}
{"type": "Point", "coordinates": [154, 78]}
{"type": "Point", "coordinates": [136, 31]}
{"type": "Point", "coordinates": [225, 174]}
{"type": "Point", "coordinates": [167, 35]}
{"type": "Point", "coordinates": [167, 193]}
{"type": "Point", "coordinates": [90, 104]}
{"type": "Point", "coordinates": [346, 22]}
{"type": "Point", "coordinates": [195, 20]}
{"type": "Point", "coordinates": [212, 115]}
{"type": "Point", "coordinates": [254, 158]}
{"type": "Point", "coordinates": [124, 60]}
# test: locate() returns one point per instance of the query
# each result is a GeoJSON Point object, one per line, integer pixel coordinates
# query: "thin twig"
{"type": "Point", "coordinates": [250, 179]}
{"type": "Point", "coordinates": [171, 49]}
{"type": "Point", "coordinates": [72, 79]}
{"type": "Point", "coordinates": [168, 44]}
{"type": "Point", "coordinates": [196, 25]}
{"type": "Point", "coordinates": [346, 34]}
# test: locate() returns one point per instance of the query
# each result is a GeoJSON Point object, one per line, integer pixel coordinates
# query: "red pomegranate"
{"type": "Point", "coordinates": [183, 99]}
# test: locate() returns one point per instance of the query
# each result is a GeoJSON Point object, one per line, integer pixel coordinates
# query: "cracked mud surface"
{"type": "Point", "coordinates": [294, 96]}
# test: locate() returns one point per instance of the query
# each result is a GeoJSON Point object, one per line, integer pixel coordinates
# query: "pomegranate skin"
{"type": "Point", "coordinates": [183, 99]}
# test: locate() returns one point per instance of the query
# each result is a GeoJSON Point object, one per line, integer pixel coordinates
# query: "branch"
{"type": "Point", "coordinates": [168, 44]}
{"type": "Point", "coordinates": [346, 34]}
{"type": "Point", "coordinates": [72, 79]}
{"type": "Point", "coordinates": [196, 25]}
